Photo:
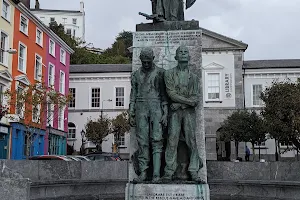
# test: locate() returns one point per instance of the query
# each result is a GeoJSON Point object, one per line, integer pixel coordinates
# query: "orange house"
{"type": "Point", "coordinates": [27, 68]}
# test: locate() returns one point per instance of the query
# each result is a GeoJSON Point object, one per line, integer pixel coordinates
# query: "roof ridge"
{"type": "Point", "coordinates": [229, 39]}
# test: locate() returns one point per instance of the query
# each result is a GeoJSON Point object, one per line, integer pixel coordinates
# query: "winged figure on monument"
{"type": "Point", "coordinates": [168, 10]}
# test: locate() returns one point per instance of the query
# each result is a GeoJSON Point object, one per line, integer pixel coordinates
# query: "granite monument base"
{"type": "Point", "coordinates": [167, 191]}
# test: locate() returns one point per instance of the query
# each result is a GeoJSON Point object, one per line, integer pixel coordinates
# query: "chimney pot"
{"type": "Point", "coordinates": [37, 4]}
{"type": "Point", "coordinates": [26, 3]}
{"type": "Point", "coordinates": [82, 6]}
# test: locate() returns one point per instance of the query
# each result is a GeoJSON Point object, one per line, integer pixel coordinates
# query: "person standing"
{"type": "Point", "coordinates": [148, 111]}
{"type": "Point", "coordinates": [183, 91]}
{"type": "Point", "coordinates": [247, 155]}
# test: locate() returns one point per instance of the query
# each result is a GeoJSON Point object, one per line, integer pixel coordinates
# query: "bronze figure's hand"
{"type": "Point", "coordinates": [132, 121]}
{"type": "Point", "coordinates": [164, 120]}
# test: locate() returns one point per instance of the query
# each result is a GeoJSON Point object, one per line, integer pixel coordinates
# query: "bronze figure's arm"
{"type": "Point", "coordinates": [171, 90]}
{"type": "Point", "coordinates": [133, 93]}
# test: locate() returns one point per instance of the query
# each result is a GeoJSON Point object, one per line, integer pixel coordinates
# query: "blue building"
{"type": "Point", "coordinates": [22, 142]}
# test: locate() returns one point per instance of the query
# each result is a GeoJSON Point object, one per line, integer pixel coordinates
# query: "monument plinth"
{"type": "Point", "coordinates": [172, 42]}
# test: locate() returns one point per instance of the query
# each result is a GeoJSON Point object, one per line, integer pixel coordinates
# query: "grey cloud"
{"type": "Point", "coordinates": [268, 26]}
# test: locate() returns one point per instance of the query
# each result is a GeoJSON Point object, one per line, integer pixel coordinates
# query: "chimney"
{"type": "Point", "coordinates": [82, 6]}
{"type": "Point", "coordinates": [26, 3]}
{"type": "Point", "coordinates": [37, 4]}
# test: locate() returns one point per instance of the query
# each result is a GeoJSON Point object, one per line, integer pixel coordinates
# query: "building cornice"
{"type": "Point", "coordinates": [98, 79]}
{"type": "Point", "coordinates": [43, 27]}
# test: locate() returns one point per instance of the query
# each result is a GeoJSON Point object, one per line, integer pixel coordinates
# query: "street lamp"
{"type": "Point", "coordinates": [10, 51]}
{"type": "Point", "coordinates": [102, 106]}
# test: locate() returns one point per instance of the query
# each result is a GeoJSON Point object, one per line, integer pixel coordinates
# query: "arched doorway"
{"type": "Point", "coordinates": [223, 148]}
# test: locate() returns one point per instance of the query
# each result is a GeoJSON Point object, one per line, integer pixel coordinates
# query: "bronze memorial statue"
{"type": "Point", "coordinates": [148, 111]}
{"type": "Point", "coordinates": [153, 92]}
{"type": "Point", "coordinates": [182, 88]}
{"type": "Point", "coordinates": [168, 10]}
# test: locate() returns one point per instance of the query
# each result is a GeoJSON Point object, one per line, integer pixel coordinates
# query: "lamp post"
{"type": "Point", "coordinates": [102, 106]}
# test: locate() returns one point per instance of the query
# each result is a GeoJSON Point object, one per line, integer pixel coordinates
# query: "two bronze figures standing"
{"type": "Point", "coordinates": [162, 99]}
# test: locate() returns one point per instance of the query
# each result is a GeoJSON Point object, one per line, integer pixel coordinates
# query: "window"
{"type": "Point", "coordinates": [74, 20]}
{"type": "Point", "coordinates": [24, 25]}
{"type": "Point", "coordinates": [51, 75]}
{"type": "Point", "coordinates": [260, 144]}
{"type": "Point", "coordinates": [256, 92]}
{"type": "Point", "coordinates": [119, 97]}
{"type": "Point", "coordinates": [50, 110]}
{"type": "Point", "coordinates": [20, 102]}
{"type": "Point", "coordinates": [62, 82]}
{"type": "Point", "coordinates": [61, 118]}
{"type": "Point", "coordinates": [95, 98]}
{"type": "Point", "coordinates": [213, 86]}
{"type": "Point", "coordinates": [69, 32]}
{"type": "Point", "coordinates": [73, 100]}
{"type": "Point", "coordinates": [74, 33]}
{"type": "Point", "coordinates": [286, 143]}
{"type": "Point", "coordinates": [52, 47]}
{"type": "Point", "coordinates": [22, 58]}
{"type": "Point", "coordinates": [120, 139]}
{"type": "Point", "coordinates": [4, 46]}
{"type": "Point", "coordinates": [38, 68]}
{"type": "Point", "coordinates": [36, 112]}
{"type": "Point", "coordinates": [52, 19]}
{"type": "Point", "coordinates": [64, 20]}
{"type": "Point", "coordinates": [62, 56]}
{"type": "Point", "coordinates": [5, 10]}
{"type": "Point", "coordinates": [39, 37]}
{"type": "Point", "coordinates": [71, 131]}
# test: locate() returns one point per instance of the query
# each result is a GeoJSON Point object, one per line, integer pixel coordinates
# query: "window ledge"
{"type": "Point", "coordinates": [26, 34]}
{"type": "Point", "coordinates": [6, 19]}
{"type": "Point", "coordinates": [261, 147]}
{"type": "Point", "coordinates": [4, 65]}
{"type": "Point", "coordinates": [40, 45]}
{"type": "Point", "coordinates": [211, 101]}
{"type": "Point", "coordinates": [22, 72]}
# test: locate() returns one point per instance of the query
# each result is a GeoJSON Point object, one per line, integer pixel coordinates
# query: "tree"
{"type": "Point", "coordinates": [282, 111]}
{"type": "Point", "coordinates": [30, 106]}
{"type": "Point", "coordinates": [243, 126]}
{"type": "Point", "coordinates": [96, 131]}
{"type": "Point", "coordinates": [121, 45]}
{"type": "Point", "coordinates": [82, 55]}
{"type": "Point", "coordinates": [120, 126]}
{"type": "Point", "coordinates": [256, 132]}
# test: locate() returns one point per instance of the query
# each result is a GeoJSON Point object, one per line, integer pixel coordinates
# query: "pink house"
{"type": "Point", "coordinates": [57, 75]}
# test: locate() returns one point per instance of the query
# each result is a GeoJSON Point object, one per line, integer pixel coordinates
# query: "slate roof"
{"type": "Point", "coordinates": [100, 68]}
{"type": "Point", "coordinates": [50, 10]}
{"type": "Point", "coordinates": [269, 64]}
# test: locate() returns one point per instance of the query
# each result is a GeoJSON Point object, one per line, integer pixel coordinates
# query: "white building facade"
{"type": "Point", "coordinates": [73, 20]}
{"type": "Point", "coordinates": [223, 90]}
{"type": "Point", "coordinates": [97, 89]}
{"type": "Point", "coordinates": [258, 75]}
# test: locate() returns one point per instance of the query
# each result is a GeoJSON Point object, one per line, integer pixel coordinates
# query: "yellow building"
{"type": "Point", "coordinates": [7, 8]}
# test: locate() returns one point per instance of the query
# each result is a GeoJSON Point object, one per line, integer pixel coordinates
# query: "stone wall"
{"type": "Point", "coordinates": [107, 180]}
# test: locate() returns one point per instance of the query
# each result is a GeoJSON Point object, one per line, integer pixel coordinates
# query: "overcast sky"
{"type": "Point", "coordinates": [270, 27]}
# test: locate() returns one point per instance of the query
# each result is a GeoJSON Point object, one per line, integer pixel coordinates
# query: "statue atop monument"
{"type": "Point", "coordinates": [168, 10]}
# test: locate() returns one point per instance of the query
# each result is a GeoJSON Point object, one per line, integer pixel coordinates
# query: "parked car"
{"type": "Point", "coordinates": [103, 157]}
{"type": "Point", "coordinates": [49, 157]}
{"type": "Point", "coordinates": [82, 158]}
{"type": "Point", "coordinates": [73, 158]}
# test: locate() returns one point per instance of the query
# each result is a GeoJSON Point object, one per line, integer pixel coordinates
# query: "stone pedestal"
{"type": "Point", "coordinates": [167, 192]}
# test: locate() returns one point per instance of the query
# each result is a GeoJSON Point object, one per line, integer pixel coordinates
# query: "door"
{"type": "Point", "coordinates": [3, 145]}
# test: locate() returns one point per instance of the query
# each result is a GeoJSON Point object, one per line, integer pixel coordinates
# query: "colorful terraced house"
{"type": "Point", "coordinates": [41, 57]}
